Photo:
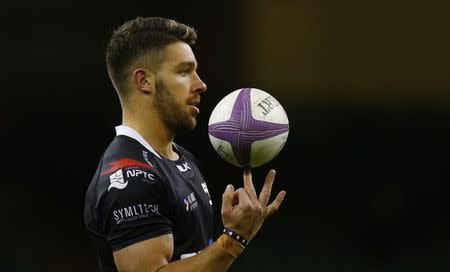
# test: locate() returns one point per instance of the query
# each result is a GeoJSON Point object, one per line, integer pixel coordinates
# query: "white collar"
{"type": "Point", "coordinates": [127, 131]}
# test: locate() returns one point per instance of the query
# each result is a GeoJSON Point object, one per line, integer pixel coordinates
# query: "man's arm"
{"type": "Point", "coordinates": [242, 211]}
{"type": "Point", "coordinates": [154, 255]}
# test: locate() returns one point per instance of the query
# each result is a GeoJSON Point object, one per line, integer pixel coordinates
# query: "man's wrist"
{"type": "Point", "coordinates": [231, 245]}
{"type": "Point", "coordinates": [244, 242]}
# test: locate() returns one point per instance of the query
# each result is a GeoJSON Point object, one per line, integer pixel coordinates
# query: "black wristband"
{"type": "Point", "coordinates": [236, 236]}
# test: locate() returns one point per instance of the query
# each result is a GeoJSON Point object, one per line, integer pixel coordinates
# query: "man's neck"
{"type": "Point", "coordinates": [154, 132]}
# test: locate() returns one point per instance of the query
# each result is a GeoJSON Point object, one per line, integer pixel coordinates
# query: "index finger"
{"type": "Point", "coordinates": [248, 183]}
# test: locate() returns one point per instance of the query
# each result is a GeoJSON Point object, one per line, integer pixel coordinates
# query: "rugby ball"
{"type": "Point", "coordinates": [248, 127]}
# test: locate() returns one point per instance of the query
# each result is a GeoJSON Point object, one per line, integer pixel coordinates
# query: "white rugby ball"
{"type": "Point", "coordinates": [248, 127]}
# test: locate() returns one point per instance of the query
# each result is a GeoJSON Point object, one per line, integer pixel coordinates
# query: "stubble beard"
{"type": "Point", "coordinates": [174, 116]}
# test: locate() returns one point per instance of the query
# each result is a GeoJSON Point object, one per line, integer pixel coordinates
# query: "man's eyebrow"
{"type": "Point", "coordinates": [187, 64]}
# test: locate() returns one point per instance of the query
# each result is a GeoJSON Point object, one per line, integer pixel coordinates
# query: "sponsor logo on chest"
{"type": "Point", "coordinates": [190, 202]}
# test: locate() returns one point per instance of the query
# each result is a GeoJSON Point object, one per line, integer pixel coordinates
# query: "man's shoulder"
{"type": "Point", "coordinates": [124, 159]}
{"type": "Point", "coordinates": [125, 152]}
{"type": "Point", "coordinates": [126, 189]}
{"type": "Point", "coordinates": [123, 145]}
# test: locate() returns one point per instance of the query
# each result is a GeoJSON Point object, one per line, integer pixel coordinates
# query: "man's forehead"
{"type": "Point", "coordinates": [180, 54]}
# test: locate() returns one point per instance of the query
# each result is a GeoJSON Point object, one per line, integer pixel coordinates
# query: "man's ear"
{"type": "Point", "coordinates": [143, 80]}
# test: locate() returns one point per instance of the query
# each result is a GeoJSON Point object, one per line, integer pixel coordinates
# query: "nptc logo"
{"type": "Point", "coordinates": [117, 181]}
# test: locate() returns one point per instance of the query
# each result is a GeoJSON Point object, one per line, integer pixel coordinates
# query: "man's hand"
{"type": "Point", "coordinates": [243, 211]}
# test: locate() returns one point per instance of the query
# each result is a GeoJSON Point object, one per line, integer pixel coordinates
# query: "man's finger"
{"type": "Point", "coordinates": [248, 184]}
{"type": "Point", "coordinates": [227, 199]}
{"type": "Point", "coordinates": [273, 207]}
{"type": "Point", "coordinates": [267, 188]}
{"type": "Point", "coordinates": [242, 197]}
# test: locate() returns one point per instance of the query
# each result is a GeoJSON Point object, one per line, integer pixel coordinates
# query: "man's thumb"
{"type": "Point", "coordinates": [230, 187]}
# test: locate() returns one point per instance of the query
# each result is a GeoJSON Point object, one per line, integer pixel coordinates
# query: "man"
{"type": "Point", "coordinates": [148, 207]}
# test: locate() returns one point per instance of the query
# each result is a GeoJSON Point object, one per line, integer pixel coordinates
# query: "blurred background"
{"type": "Point", "coordinates": [366, 87]}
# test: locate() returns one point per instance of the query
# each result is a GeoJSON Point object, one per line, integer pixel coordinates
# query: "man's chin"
{"type": "Point", "coordinates": [187, 126]}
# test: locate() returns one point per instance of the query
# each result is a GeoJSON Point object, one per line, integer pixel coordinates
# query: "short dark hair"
{"type": "Point", "coordinates": [142, 36]}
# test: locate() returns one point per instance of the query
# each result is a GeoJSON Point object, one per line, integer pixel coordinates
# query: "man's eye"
{"type": "Point", "coordinates": [183, 73]}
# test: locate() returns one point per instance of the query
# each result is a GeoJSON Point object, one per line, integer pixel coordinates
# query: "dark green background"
{"type": "Point", "coordinates": [365, 166]}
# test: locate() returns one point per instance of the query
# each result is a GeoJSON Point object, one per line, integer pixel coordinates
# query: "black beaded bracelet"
{"type": "Point", "coordinates": [236, 236]}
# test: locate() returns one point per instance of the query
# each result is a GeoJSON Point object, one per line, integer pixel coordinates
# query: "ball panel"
{"type": "Point", "coordinates": [265, 150]}
{"type": "Point", "coordinates": [223, 109]}
{"type": "Point", "coordinates": [266, 108]}
{"type": "Point", "coordinates": [224, 149]}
